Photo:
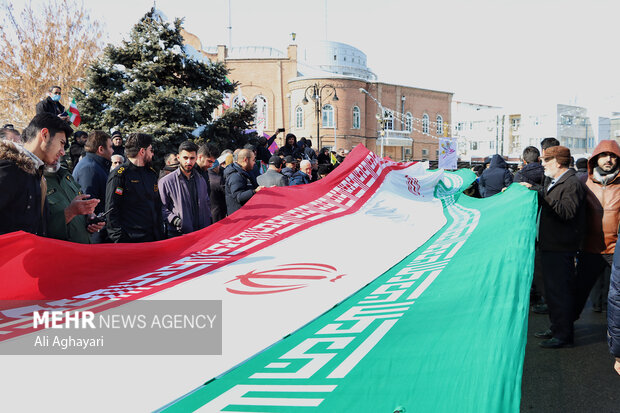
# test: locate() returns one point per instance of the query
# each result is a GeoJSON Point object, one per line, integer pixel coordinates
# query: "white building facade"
{"type": "Point", "coordinates": [484, 130]}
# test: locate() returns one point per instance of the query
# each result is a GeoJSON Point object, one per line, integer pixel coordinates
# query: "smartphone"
{"type": "Point", "coordinates": [99, 218]}
{"type": "Point", "coordinates": [281, 130]}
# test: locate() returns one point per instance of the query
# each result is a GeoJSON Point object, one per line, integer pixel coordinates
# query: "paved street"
{"type": "Point", "coordinates": [572, 380]}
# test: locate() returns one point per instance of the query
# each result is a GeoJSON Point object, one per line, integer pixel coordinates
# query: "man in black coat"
{"type": "Point", "coordinates": [132, 195]}
{"type": "Point", "coordinates": [91, 173]}
{"type": "Point", "coordinates": [532, 171]}
{"type": "Point", "coordinates": [240, 184]}
{"type": "Point", "coordinates": [582, 169]}
{"type": "Point", "coordinates": [51, 104]}
{"type": "Point", "coordinates": [217, 193]}
{"type": "Point", "coordinates": [613, 311]}
{"type": "Point", "coordinates": [22, 204]}
{"type": "Point", "coordinates": [495, 178]}
{"type": "Point", "coordinates": [117, 143]}
{"type": "Point", "coordinates": [561, 229]}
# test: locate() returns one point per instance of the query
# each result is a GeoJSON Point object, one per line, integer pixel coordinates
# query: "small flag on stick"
{"type": "Point", "coordinates": [74, 114]}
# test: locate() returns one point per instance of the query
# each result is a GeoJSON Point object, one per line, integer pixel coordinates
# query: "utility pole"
{"type": "Point", "coordinates": [229, 26]}
{"type": "Point", "coordinates": [503, 119]}
{"type": "Point", "coordinates": [496, 134]}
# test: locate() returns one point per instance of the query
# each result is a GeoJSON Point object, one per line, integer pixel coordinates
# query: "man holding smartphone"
{"type": "Point", "coordinates": [51, 104]}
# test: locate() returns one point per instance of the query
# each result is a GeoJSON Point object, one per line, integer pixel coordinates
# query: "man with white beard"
{"type": "Point", "coordinates": [561, 228]}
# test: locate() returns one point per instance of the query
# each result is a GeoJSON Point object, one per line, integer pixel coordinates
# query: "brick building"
{"type": "Point", "coordinates": [282, 84]}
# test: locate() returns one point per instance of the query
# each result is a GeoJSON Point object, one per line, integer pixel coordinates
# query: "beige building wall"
{"type": "Point", "coordinates": [278, 80]}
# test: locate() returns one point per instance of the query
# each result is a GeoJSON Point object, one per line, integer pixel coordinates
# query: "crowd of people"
{"type": "Point", "coordinates": [105, 190]}
{"type": "Point", "coordinates": [578, 225]}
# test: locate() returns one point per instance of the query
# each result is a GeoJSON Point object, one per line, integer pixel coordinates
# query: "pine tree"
{"type": "Point", "coordinates": [227, 131]}
{"type": "Point", "coordinates": [153, 84]}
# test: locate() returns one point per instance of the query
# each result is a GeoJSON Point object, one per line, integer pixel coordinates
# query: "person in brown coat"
{"type": "Point", "coordinates": [595, 259]}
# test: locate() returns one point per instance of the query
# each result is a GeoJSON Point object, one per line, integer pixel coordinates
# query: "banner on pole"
{"type": "Point", "coordinates": [448, 155]}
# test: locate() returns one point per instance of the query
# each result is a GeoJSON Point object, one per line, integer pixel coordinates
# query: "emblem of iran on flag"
{"type": "Point", "coordinates": [74, 114]}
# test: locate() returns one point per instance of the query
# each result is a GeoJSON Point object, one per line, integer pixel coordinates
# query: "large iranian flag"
{"type": "Point", "coordinates": [380, 286]}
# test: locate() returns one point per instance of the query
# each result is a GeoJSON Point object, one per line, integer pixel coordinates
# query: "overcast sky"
{"type": "Point", "coordinates": [517, 53]}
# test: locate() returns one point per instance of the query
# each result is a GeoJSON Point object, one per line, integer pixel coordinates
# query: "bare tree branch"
{"type": "Point", "coordinates": [52, 45]}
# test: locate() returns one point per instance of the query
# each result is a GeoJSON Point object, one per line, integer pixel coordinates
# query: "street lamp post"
{"type": "Point", "coordinates": [319, 93]}
{"type": "Point", "coordinates": [380, 118]}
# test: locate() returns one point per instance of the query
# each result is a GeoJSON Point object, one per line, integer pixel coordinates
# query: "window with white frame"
{"type": "Point", "coordinates": [439, 125]}
{"type": "Point", "coordinates": [261, 111]}
{"type": "Point", "coordinates": [388, 119]}
{"type": "Point", "coordinates": [299, 117]}
{"type": "Point", "coordinates": [425, 123]}
{"type": "Point", "coordinates": [424, 152]}
{"type": "Point", "coordinates": [328, 116]}
{"type": "Point", "coordinates": [356, 117]}
{"type": "Point", "coordinates": [239, 101]}
{"type": "Point", "coordinates": [409, 122]}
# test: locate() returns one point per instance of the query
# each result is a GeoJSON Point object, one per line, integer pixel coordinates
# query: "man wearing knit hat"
{"type": "Point", "coordinates": [601, 234]}
{"type": "Point", "coordinates": [560, 231]}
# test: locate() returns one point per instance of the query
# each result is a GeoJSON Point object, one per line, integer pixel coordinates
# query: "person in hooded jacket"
{"type": "Point", "coordinates": [594, 261]}
{"type": "Point", "coordinates": [495, 178]}
{"type": "Point", "coordinates": [290, 147]}
{"type": "Point", "coordinates": [324, 157]}
{"type": "Point", "coordinates": [532, 171]}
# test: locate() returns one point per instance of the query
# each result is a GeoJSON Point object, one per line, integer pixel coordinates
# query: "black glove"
{"type": "Point", "coordinates": [176, 221]}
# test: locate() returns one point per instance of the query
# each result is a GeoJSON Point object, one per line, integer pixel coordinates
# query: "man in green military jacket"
{"type": "Point", "coordinates": [69, 208]}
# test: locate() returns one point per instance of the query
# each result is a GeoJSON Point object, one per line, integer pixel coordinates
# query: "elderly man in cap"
{"type": "Point", "coordinates": [562, 219]}
{"type": "Point", "coordinates": [273, 177]}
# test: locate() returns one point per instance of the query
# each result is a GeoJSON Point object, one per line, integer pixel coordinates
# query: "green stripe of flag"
{"type": "Point", "coordinates": [442, 331]}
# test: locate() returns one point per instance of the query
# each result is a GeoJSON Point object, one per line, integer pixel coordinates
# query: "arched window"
{"type": "Point", "coordinates": [388, 119]}
{"type": "Point", "coordinates": [356, 117]}
{"type": "Point", "coordinates": [261, 112]}
{"type": "Point", "coordinates": [239, 101]}
{"type": "Point", "coordinates": [299, 117]}
{"type": "Point", "coordinates": [328, 116]}
{"type": "Point", "coordinates": [439, 125]}
{"type": "Point", "coordinates": [425, 123]}
{"type": "Point", "coordinates": [409, 122]}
